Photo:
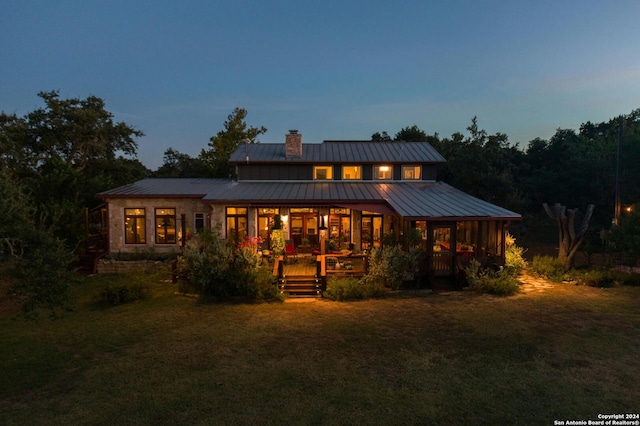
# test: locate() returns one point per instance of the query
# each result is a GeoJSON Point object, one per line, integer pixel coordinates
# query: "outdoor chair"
{"type": "Point", "coordinates": [290, 251]}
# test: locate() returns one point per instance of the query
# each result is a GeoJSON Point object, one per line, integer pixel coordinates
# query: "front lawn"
{"type": "Point", "coordinates": [568, 353]}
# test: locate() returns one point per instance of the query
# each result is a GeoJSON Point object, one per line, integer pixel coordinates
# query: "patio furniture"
{"type": "Point", "coordinates": [290, 251]}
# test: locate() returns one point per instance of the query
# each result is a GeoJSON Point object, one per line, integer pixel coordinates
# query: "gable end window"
{"type": "Point", "coordinates": [411, 173]}
{"type": "Point", "coordinates": [134, 226]}
{"type": "Point", "coordinates": [323, 172]}
{"type": "Point", "coordinates": [351, 172]}
{"type": "Point", "coordinates": [165, 226]}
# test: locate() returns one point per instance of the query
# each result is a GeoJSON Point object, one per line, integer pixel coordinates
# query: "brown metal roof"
{"type": "Point", "coordinates": [340, 152]}
{"type": "Point", "coordinates": [411, 200]}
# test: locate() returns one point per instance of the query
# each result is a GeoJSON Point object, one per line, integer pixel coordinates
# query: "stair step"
{"type": "Point", "coordinates": [301, 286]}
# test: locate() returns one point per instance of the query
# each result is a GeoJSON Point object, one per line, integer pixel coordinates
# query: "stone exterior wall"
{"type": "Point", "coordinates": [186, 206]}
{"type": "Point", "coordinates": [108, 266]}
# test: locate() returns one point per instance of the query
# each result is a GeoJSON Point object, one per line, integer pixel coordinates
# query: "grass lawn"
{"type": "Point", "coordinates": [568, 353]}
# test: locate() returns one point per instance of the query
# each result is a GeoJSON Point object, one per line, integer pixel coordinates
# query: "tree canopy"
{"type": "Point", "coordinates": [225, 142]}
{"type": "Point", "coordinates": [53, 161]}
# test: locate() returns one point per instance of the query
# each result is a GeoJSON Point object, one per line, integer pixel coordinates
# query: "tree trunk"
{"type": "Point", "coordinates": [569, 241]}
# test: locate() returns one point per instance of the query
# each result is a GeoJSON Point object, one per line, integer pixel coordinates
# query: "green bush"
{"type": "Point", "coordinates": [604, 278]}
{"type": "Point", "coordinates": [514, 261]}
{"type": "Point", "coordinates": [216, 270]}
{"type": "Point", "coordinates": [391, 266]}
{"type": "Point", "coordinates": [261, 286]}
{"type": "Point", "coordinates": [548, 267]}
{"type": "Point", "coordinates": [344, 289]}
{"type": "Point", "coordinates": [119, 294]}
{"type": "Point", "coordinates": [500, 283]}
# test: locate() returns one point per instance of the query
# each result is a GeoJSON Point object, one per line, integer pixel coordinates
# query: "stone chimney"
{"type": "Point", "coordinates": [293, 144]}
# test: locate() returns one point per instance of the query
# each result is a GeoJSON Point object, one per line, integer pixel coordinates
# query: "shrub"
{"type": "Point", "coordinates": [344, 289]}
{"type": "Point", "coordinates": [217, 270]}
{"type": "Point", "coordinates": [549, 267]}
{"type": "Point", "coordinates": [261, 286]}
{"type": "Point", "coordinates": [501, 283]}
{"type": "Point", "coordinates": [390, 266]}
{"type": "Point", "coordinates": [119, 294]}
{"type": "Point", "coordinates": [605, 278]}
{"type": "Point", "coordinates": [514, 262]}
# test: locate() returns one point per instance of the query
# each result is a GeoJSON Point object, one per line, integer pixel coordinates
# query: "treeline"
{"type": "Point", "coordinates": [55, 159]}
{"type": "Point", "coordinates": [573, 167]}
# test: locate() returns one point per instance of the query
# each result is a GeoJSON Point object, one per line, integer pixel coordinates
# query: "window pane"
{"type": "Point", "coordinates": [165, 226]}
{"type": "Point", "coordinates": [199, 221]}
{"type": "Point", "coordinates": [382, 172]}
{"type": "Point", "coordinates": [134, 226]}
{"type": "Point", "coordinates": [323, 172]}
{"type": "Point", "coordinates": [410, 172]}
{"type": "Point", "coordinates": [351, 172]}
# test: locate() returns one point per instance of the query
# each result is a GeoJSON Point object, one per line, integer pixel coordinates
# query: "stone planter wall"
{"type": "Point", "coordinates": [109, 266]}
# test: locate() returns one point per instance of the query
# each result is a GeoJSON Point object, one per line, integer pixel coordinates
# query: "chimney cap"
{"type": "Point", "coordinates": [293, 132]}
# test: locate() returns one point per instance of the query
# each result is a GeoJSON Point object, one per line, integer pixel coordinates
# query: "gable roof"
{"type": "Point", "coordinates": [361, 152]}
{"type": "Point", "coordinates": [412, 200]}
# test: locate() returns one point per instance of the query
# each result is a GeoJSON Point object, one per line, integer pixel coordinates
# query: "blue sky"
{"type": "Point", "coordinates": [331, 69]}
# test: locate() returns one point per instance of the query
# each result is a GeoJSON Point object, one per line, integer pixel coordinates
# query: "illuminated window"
{"type": "Point", "coordinates": [383, 172]}
{"type": "Point", "coordinates": [411, 172]}
{"type": "Point", "coordinates": [134, 226]}
{"type": "Point", "coordinates": [265, 221]}
{"type": "Point", "coordinates": [237, 220]}
{"type": "Point", "coordinates": [323, 172]}
{"type": "Point", "coordinates": [351, 172]}
{"type": "Point", "coordinates": [165, 226]}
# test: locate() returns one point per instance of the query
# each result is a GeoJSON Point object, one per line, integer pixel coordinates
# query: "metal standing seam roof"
{"type": "Point", "coordinates": [164, 187]}
{"type": "Point", "coordinates": [411, 200]}
{"type": "Point", "coordinates": [336, 152]}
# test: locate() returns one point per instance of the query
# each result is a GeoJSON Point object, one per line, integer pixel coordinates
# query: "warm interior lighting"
{"type": "Point", "coordinates": [285, 218]}
{"type": "Point", "coordinates": [384, 168]}
{"type": "Point", "coordinates": [628, 209]}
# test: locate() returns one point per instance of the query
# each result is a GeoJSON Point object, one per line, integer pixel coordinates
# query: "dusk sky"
{"type": "Point", "coordinates": [330, 69]}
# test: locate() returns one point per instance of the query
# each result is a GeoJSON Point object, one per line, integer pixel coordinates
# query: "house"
{"type": "Point", "coordinates": [363, 193]}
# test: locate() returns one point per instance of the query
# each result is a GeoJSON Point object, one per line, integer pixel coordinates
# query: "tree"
{"type": "Point", "coordinates": [64, 153]}
{"type": "Point", "coordinates": [569, 240]}
{"type": "Point", "coordinates": [406, 134]}
{"type": "Point", "coordinates": [77, 131]}
{"type": "Point", "coordinates": [38, 259]}
{"type": "Point", "coordinates": [380, 137]}
{"type": "Point", "coordinates": [626, 236]}
{"type": "Point", "coordinates": [226, 141]}
{"type": "Point", "coordinates": [178, 165]}
{"type": "Point", "coordinates": [483, 165]}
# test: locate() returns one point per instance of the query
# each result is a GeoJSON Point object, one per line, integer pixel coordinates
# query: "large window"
{"type": "Point", "coordinates": [134, 226]}
{"type": "Point", "coordinates": [304, 226]}
{"type": "Point", "coordinates": [340, 227]}
{"type": "Point", "coordinates": [236, 223]}
{"type": "Point", "coordinates": [371, 230]}
{"type": "Point", "coordinates": [165, 226]}
{"type": "Point", "coordinates": [411, 172]}
{"type": "Point", "coordinates": [382, 172]}
{"type": "Point", "coordinates": [265, 222]}
{"type": "Point", "coordinates": [351, 172]}
{"type": "Point", "coordinates": [323, 172]}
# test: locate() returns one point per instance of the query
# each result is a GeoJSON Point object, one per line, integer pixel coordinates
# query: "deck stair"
{"type": "Point", "coordinates": [301, 285]}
